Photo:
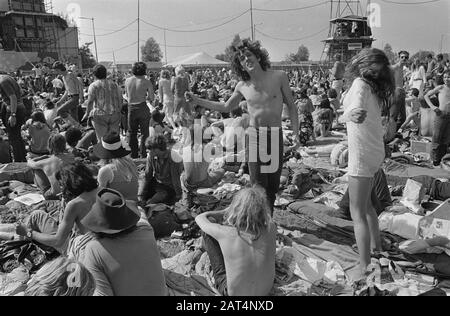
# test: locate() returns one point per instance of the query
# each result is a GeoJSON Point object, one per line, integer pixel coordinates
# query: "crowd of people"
{"type": "Point", "coordinates": [57, 120]}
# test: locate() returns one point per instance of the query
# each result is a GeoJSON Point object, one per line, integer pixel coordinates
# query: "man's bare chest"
{"type": "Point", "coordinates": [261, 94]}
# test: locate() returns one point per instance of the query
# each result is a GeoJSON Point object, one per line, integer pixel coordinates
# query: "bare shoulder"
{"type": "Point", "coordinates": [241, 84]}
{"type": "Point", "coordinates": [279, 74]}
{"type": "Point", "coordinates": [73, 206]}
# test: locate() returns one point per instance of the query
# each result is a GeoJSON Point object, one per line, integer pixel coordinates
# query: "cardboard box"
{"type": "Point", "coordinates": [442, 211]}
{"type": "Point", "coordinates": [437, 223]}
{"type": "Point", "coordinates": [421, 147]}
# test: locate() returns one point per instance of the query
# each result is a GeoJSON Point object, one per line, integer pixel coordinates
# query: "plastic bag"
{"type": "Point", "coordinates": [413, 195]}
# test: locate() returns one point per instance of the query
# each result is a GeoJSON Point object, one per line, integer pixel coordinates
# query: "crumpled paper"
{"type": "Point", "coordinates": [315, 270]}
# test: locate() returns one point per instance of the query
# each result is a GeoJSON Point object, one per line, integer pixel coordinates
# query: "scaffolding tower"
{"type": "Point", "coordinates": [50, 30]}
{"type": "Point", "coordinates": [349, 30]}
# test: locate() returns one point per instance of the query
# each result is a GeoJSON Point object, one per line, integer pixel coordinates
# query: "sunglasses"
{"type": "Point", "coordinates": [404, 57]}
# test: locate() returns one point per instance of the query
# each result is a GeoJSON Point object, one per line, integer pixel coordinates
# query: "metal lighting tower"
{"type": "Point", "coordinates": [95, 37]}
{"type": "Point", "coordinates": [139, 30]}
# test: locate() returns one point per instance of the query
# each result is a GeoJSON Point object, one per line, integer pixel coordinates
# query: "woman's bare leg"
{"type": "Point", "coordinates": [360, 193]}
{"type": "Point", "coordinates": [374, 227]}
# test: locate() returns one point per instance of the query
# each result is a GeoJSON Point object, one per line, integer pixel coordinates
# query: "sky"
{"type": "Point", "coordinates": [404, 24]}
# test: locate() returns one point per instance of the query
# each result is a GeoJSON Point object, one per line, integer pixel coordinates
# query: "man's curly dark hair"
{"type": "Point", "coordinates": [255, 48]}
{"type": "Point", "coordinates": [76, 179]}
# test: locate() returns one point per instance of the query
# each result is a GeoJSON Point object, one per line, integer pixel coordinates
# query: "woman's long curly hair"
{"type": "Point", "coordinates": [62, 277]}
{"type": "Point", "coordinates": [381, 79]}
{"type": "Point", "coordinates": [75, 179]}
{"type": "Point", "coordinates": [255, 48]}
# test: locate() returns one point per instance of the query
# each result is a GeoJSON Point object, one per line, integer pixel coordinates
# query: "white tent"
{"type": "Point", "coordinates": [197, 59]}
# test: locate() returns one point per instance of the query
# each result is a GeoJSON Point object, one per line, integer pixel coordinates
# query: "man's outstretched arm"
{"type": "Point", "coordinates": [222, 107]}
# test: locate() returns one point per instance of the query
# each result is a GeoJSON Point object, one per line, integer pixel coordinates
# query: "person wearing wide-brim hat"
{"type": "Point", "coordinates": [118, 171]}
{"type": "Point", "coordinates": [124, 257]}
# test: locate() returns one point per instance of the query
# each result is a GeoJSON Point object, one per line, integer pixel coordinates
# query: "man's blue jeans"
{"type": "Point", "coordinates": [441, 137]}
{"type": "Point", "coordinates": [138, 120]}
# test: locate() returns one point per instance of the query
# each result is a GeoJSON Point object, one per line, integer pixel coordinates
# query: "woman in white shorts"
{"type": "Point", "coordinates": [166, 96]}
{"type": "Point", "coordinates": [373, 83]}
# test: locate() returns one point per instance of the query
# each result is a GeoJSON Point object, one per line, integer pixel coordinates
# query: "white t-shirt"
{"type": "Point", "coordinates": [57, 83]}
{"type": "Point", "coordinates": [366, 144]}
{"type": "Point", "coordinates": [50, 116]}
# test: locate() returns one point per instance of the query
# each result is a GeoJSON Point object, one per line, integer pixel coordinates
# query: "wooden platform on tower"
{"type": "Point", "coordinates": [349, 31]}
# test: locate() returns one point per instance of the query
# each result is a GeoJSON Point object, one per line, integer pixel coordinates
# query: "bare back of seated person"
{"type": "Point", "coordinates": [196, 168]}
{"type": "Point", "coordinates": [50, 165]}
{"type": "Point", "coordinates": [249, 264]}
{"type": "Point", "coordinates": [82, 205]}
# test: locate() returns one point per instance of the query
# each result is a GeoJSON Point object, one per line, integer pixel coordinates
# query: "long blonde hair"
{"type": "Point", "coordinates": [124, 166]}
{"type": "Point", "coordinates": [250, 212]}
{"type": "Point", "coordinates": [62, 277]}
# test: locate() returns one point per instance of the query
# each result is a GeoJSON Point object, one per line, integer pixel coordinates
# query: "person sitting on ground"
{"type": "Point", "coordinates": [157, 126]}
{"type": "Point", "coordinates": [315, 97]}
{"type": "Point", "coordinates": [413, 105]}
{"type": "Point", "coordinates": [64, 231]}
{"type": "Point", "coordinates": [162, 174]}
{"type": "Point", "coordinates": [201, 114]}
{"type": "Point", "coordinates": [50, 113]}
{"type": "Point", "coordinates": [197, 174]}
{"type": "Point", "coordinates": [118, 171]}
{"type": "Point", "coordinates": [73, 136]}
{"type": "Point", "coordinates": [305, 109]}
{"type": "Point", "coordinates": [124, 257]}
{"type": "Point", "coordinates": [61, 277]}
{"type": "Point", "coordinates": [241, 245]}
{"type": "Point", "coordinates": [39, 133]}
{"type": "Point", "coordinates": [64, 122]}
{"type": "Point", "coordinates": [232, 139]}
{"type": "Point", "coordinates": [46, 167]}
{"type": "Point", "coordinates": [323, 118]}
{"type": "Point", "coordinates": [334, 102]}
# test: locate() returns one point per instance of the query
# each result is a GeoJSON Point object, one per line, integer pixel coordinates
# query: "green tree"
{"type": "Point", "coordinates": [87, 59]}
{"type": "Point", "coordinates": [151, 51]}
{"type": "Point", "coordinates": [389, 53]}
{"type": "Point", "coordinates": [228, 54]}
{"type": "Point", "coordinates": [221, 57]}
{"type": "Point", "coordinates": [421, 55]}
{"type": "Point", "coordinates": [301, 55]}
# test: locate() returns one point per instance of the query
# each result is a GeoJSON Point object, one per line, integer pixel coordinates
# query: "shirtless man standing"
{"type": "Point", "coordinates": [242, 249]}
{"type": "Point", "coordinates": [398, 108]}
{"type": "Point", "coordinates": [74, 95]}
{"type": "Point", "coordinates": [139, 90]}
{"type": "Point", "coordinates": [265, 91]}
{"type": "Point", "coordinates": [441, 135]}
